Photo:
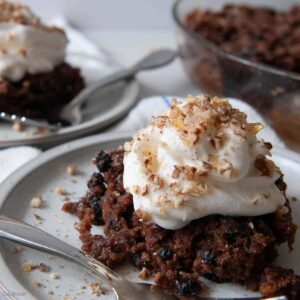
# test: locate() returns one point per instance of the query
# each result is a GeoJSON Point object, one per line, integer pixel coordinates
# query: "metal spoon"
{"type": "Point", "coordinates": [71, 112]}
{"type": "Point", "coordinates": [123, 289]}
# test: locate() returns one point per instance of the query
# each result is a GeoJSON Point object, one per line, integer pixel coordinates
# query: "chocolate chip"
{"type": "Point", "coordinates": [94, 203]}
{"type": "Point", "coordinates": [165, 253]}
{"type": "Point", "coordinates": [209, 257]}
{"type": "Point", "coordinates": [138, 262]}
{"type": "Point", "coordinates": [103, 161]}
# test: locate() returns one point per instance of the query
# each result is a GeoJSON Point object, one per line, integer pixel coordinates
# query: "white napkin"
{"type": "Point", "coordinates": [11, 159]}
{"type": "Point", "coordinates": [139, 117]}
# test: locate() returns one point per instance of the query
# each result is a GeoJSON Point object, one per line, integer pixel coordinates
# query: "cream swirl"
{"type": "Point", "coordinates": [201, 158]}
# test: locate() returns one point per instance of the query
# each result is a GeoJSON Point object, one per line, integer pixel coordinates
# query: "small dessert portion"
{"type": "Point", "coordinates": [193, 194]}
{"type": "Point", "coordinates": [34, 79]}
{"type": "Point", "coordinates": [259, 34]}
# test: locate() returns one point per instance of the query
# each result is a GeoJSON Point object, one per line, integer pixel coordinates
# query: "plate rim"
{"type": "Point", "coordinates": [9, 184]}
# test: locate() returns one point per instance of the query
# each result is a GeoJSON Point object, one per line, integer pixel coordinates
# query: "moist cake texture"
{"type": "Point", "coordinates": [41, 96]}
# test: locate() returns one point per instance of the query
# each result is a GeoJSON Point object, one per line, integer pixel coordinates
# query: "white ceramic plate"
{"type": "Point", "coordinates": [102, 109]}
{"type": "Point", "coordinates": [48, 171]}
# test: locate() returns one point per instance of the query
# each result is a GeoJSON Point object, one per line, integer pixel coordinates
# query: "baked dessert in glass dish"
{"type": "Point", "coordinates": [249, 52]}
{"type": "Point", "coordinates": [35, 80]}
{"type": "Point", "coordinates": [192, 195]}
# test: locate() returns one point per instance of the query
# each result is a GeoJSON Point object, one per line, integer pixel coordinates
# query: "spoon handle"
{"type": "Point", "coordinates": [35, 238]}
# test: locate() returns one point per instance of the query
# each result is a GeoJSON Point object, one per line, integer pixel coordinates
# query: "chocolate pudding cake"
{"type": "Point", "coordinates": [193, 195]}
{"type": "Point", "coordinates": [35, 81]}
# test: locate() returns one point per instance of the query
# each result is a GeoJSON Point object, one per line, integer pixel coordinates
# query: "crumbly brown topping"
{"type": "Point", "coordinates": [21, 14]}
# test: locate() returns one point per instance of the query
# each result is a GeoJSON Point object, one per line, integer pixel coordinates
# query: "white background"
{"type": "Point", "coordinates": [122, 14]}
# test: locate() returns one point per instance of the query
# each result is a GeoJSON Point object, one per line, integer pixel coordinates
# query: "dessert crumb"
{"type": "Point", "coordinates": [49, 292]}
{"type": "Point", "coordinates": [18, 249]}
{"type": "Point", "coordinates": [54, 276]}
{"type": "Point", "coordinates": [96, 289]}
{"type": "Point", "coordinates": [17, 126]}
{"type": "Point", "coordinates": [40, 131]}
{"type": "Point", "coordinates": [61, 191]}
{"type": "Point", "coordinates": [38, 218]}
{"type": "Point", "coordinates": [37, 283]}
{"type": "Point", "coordinates": [43, 268]}
{"type": "Point", "coordinates": [144, 274]}
{"type": "Point", "coordinates": [29, 267]}
{"type": "Point", "coordinates": [72, 170]}
{"type": "Point", "coordinates": [36, 202]}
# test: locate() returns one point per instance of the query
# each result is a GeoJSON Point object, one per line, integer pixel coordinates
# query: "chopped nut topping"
{"type": "Point", "coordinates": [254, 127]}
{"type": "Point", "coordinates": [218, 141]}
{"type": "Point", "coordinates": [188, 172]}
{"type": "Point", "coordinates": [141, 190]}
{"type": "Point", "coordinates": [156, 180]}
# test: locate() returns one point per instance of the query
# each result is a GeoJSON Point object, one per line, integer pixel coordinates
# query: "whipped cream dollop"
{"type": "Point", "coordinates": [200, 158]}
{"type": "Point", "coordinates": [27, 45]}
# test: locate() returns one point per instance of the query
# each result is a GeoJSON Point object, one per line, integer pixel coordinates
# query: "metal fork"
{"type": "Point", "coordinates": [26, 121]}
{"type": "Point", "coordinates": [123, 289]}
